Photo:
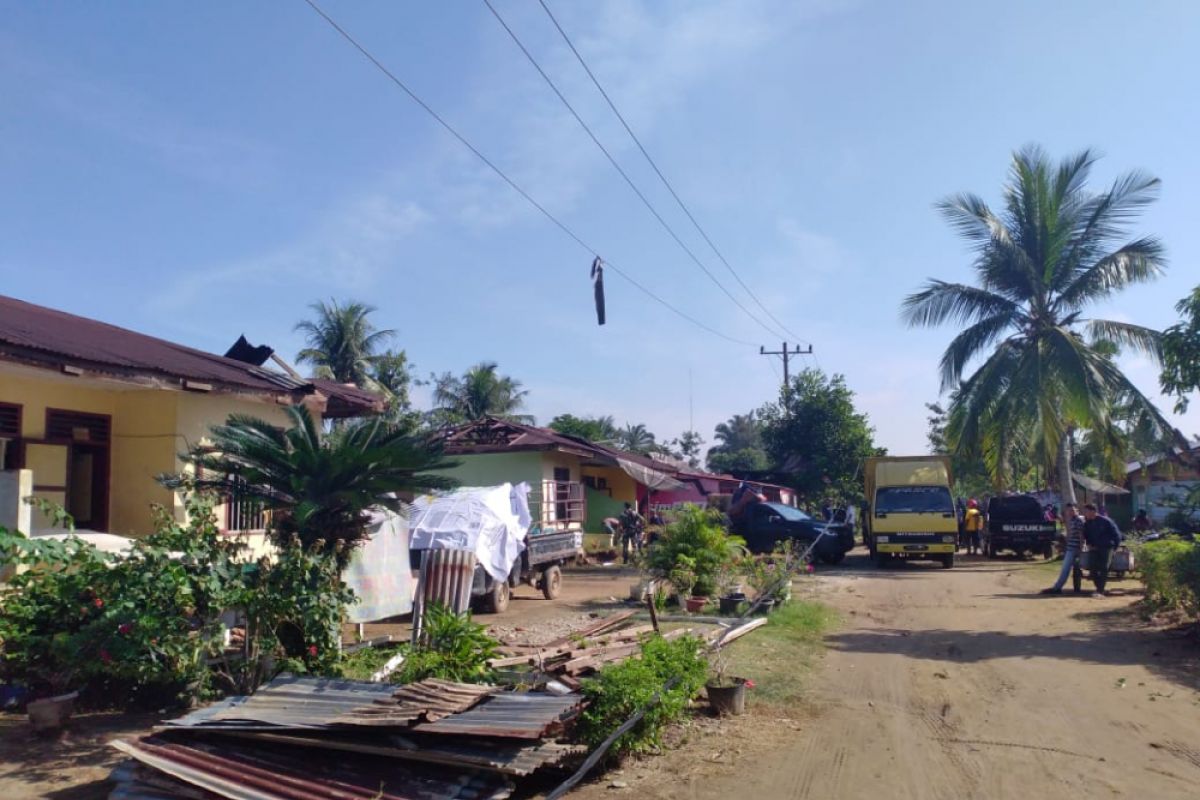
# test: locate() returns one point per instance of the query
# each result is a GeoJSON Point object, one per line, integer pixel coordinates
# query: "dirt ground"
{"type": "Point", "coordinates": [958, 684]}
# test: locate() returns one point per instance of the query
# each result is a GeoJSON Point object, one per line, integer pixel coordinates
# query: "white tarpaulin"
{"type": "Point", "coordinates": [379, 571]}
{"type": "Point", "coordinates": [490, 522]}
{"type": "Point", "coordinates": [651, 478]}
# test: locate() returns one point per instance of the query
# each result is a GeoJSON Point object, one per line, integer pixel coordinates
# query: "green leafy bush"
{"type": "Point", "coordinates": [698, 536]}
{"type": "Point", "coordinates": [1170, 569]}
{"type": "Point", "coordinates": [143, 627]}
{"type": "Point", "coordinates": [452, 647]}
{"type": "Point", "coordinates": [619, 690]}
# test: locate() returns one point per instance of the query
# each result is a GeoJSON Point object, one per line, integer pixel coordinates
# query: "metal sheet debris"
{"type": "Point", "coordinates": [245, 772]}
{"type": "Point", "coordinates": [514, 715]}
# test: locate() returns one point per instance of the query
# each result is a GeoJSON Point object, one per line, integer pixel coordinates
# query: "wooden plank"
{"type": "Point", "coordinates": [611, 621]}
{"type": "Point", "coordinates": [599, 656]}
{"type": "Point", "coordinates": [727, 636]}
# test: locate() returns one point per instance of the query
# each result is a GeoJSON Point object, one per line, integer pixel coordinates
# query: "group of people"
{"type": "Point", "coordinates": [631, 527]}
{"type": "Point", "coordinates": [1102, 537]}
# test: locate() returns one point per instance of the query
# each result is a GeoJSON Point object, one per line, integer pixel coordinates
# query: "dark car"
{"type": "Point", "coordinates": [1018, 523]}
{"type": "Point", "coordinates": [765, 525]}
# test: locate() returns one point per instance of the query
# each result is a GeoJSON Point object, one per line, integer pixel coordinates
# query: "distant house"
{"type": "Point", "coordinates": [1160, 481]}
{"type": "Point", "coordinates": [575, 483]}
{"type": "Point", "coordinates": [95, 412]}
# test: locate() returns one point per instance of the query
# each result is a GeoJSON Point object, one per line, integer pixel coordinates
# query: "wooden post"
{"type": "Point", "coordinates": [650, 598]}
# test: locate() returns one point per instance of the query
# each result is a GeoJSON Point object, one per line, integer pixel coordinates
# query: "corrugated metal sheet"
{"type": "Point", "coordinates": [514, 715]}
{"type": "Point", "coordinates": [245, 772]}
{"type": "Point", "coordinates": [426, 701]}
{"type": "Point", "coordinates": [446, 578]}
{"type": "Point", "coordinates": [507, 758]}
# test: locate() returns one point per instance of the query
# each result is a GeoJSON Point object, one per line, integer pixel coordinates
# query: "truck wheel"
{"type": "Point", "coordinates": [879, 560]}
{"type": "Point", "coordinates": [989, 550]}
{"type": "Point", "coordinates": [833, 558]}
{"type": "Point", "coordinates": [948, 560]}
{"type": "Point", "coordinates": [551, 582]}
{"type": "Point", "coordinates": [496, 601]}
{"type": "Point", "coordinates": [1048, 553]}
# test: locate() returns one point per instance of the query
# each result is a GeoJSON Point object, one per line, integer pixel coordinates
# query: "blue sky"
{"type": "Point", "coordinates": [196, 171]}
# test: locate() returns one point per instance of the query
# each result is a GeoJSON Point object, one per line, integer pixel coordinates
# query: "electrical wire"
{"type": "Point", "coordinates": [641, 196]}
{"type": "Point", "coordinates": [513, 184]}
{"type": "Point", "coordinates": [660, 174]}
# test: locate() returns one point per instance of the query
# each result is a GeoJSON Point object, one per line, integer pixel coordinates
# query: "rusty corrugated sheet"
{"type": "Point", "coordinates": [514, 715]}
{"type": "Point", "coordinates": [507, 758]}
{"type": "Point", "coordinates": [426, 701]}
{"type": "Point", "coordinates": [247, 772]}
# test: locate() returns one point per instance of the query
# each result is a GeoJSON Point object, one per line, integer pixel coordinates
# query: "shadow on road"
{"type": "Point", "coordinates": [1112, 644]}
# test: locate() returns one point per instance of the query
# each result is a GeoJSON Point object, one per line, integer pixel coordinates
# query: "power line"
{"type": "Point", "coordinates": [658, 171]}
{"type": "Point", "coordinates": [641, 196]}
{"type": "Point", "coordinates": [515, 186]}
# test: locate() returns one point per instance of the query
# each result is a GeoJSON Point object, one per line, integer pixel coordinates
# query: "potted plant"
{"type": "Point", "coordinates": [729, 590]}
{"type": "Point", "coordinates": [51, 673]}
{"type": "Point", "coordinates": [726, 693]}
{"type": "Point", "coordinates": [771, 580]}
{"type": "Point", "coordinates": [683, 578]}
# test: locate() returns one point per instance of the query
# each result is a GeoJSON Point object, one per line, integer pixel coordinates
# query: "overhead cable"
{"type": "Point", "coordinates": [641, 196]}
{"type": "Point", "coordinates": [513, 184]}
{"type": "Point", "coordinates": [659, 172]}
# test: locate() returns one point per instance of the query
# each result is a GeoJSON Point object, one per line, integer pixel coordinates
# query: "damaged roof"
{"type": "Point", "coordinates": [45, 337]}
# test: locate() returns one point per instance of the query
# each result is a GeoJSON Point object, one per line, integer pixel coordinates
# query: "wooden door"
{"type": "Point", "coordinates": [50, 462]}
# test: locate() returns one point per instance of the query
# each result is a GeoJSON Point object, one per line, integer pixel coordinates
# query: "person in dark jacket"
{"type": "Point", "coordinates": [1102, 536]}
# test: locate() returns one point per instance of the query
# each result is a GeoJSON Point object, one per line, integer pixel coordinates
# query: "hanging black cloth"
{"type": "Point", "coordinates": [598, 288]}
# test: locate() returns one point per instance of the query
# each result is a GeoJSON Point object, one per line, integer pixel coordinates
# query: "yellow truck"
{"type": "Point", "coordinates": [910, 510]}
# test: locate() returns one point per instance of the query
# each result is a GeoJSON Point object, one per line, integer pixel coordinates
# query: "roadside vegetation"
{"type": "Point", "coordinates": [778, 656]}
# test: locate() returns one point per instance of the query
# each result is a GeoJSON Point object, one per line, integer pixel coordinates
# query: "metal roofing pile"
{"type": "Point", "coordinates": [310, 739]}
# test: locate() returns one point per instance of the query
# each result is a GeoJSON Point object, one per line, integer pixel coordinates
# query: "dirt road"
{"type": "Point", "coordinates": [966, 683]}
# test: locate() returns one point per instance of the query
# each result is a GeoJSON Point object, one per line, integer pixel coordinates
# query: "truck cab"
{"type": "Point", "coordinates": [910, 511]}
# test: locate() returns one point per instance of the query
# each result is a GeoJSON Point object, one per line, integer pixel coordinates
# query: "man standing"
{"type": "Point", "coordinates": [1074, 548]}
{"type": "Point", "coordinates": [631, 531]}
{"type": "Point", "coordinates": [1102, 536]}
{"type": "Point", "coordinates": [972, 526]}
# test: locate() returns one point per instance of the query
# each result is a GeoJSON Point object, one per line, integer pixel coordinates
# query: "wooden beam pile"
{"type": "Point", "coordinates": [605, 641]}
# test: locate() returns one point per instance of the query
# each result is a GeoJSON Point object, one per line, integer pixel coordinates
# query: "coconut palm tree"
{"type": "Point", "coordinates": [740, 432]}
{"type": "Point", "coordinates": [320, 487]}
{"type": "Point", "coordinates": [1054, 250]}
{"type": "Point", "coordinates": [479, 392]}
{"type": "Point", "coordinates": [343, 343]}
{"type": "Point", "coordinates": [637, 439]}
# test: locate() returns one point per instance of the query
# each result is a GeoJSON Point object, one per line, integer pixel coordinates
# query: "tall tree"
{"type": "Point", "coordinates": [601, 430]}
{"type": "Point", "coordinates": [739, 446]}
{"type": "Point", "coordinates": [637, 439]}
{"type": "Point", "coordinates": [816, 436]}
{"type": "Point", "coordinates": [1054, 250]}
{"type": "Point", "coordinates": [688, 446]}
{"type": "Point", "coordinates": [1181, 352]}
{"type": "Point", "coordinates": [342, 342]}
{"type": "Point", "coordinates": [970, 476]}
{"type": "Point", "coordinates": [479, 392]}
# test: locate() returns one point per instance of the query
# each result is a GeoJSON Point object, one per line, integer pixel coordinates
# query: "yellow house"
{"type": "Point", "coordinates": [95, 412]}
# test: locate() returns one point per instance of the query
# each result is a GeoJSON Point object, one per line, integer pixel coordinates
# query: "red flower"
{"type": "Point", "coordinates": [104, 656]}
{"type": "Point", "coordinates": [98, 603]}
{"type": "Point", "coordinates": [312, 650]}
{"type": "Point", "coordinates": [749, 684]}
{"type": "Point", "coordinates": [124, 628]}
{"type": "Point", "coordinates": [809, 567]}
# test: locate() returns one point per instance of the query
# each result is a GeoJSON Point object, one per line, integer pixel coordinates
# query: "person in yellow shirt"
{"type": "Point", "coordinates": [972, 526]}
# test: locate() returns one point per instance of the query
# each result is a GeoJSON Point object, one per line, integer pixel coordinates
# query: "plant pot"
{"type": "Point", "coordinates": [731, 603]}
{"type": "Point", "coordinates": [695, 604]}
{"type": "Point", "coordinates": [51, 713]}
{"type": "Point", "coordinates": [728, 699]}
{"type": "Point", "coordinates": [766, 606]}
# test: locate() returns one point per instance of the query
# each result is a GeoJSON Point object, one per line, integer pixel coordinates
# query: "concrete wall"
{"type": "Point", "coordinates": [150, 429]}
{"type": "Point", "coordinates": [15, 513]}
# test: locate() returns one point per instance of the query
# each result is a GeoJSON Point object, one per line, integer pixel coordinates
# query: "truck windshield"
{"type": "Point", "coordinates": [914, 500]}
{"type": "Point", "coordinates": [787, 512]}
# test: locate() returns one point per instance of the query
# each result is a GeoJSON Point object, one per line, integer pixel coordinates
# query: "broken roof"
{"type": "Point", "coordinates": [44, 337]}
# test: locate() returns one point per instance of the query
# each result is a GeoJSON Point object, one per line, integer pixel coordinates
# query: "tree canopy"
{"type": "Point", "coordinates": [601, 430]}
{"type": "Point", "coordinates": [1181, 352]}
{"type": "Point", "coordinates": [1053, 251]}
{"type": "Point", "coordinates": [739, 445]}
{"type": "Point", "coordinates": [815, 435]}
{"type": "Point", "coordinates": [479, 392]}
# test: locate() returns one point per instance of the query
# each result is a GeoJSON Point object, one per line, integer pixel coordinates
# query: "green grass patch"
{"type": "Point", "coordinates": [777, 656]}
{"type": "Point", "coordinates": [362, 664]}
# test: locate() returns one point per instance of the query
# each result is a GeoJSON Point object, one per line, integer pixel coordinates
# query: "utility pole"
{"type": "Point", "coordinates": [787, 354]}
